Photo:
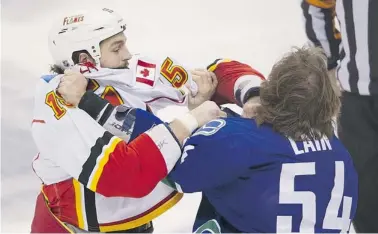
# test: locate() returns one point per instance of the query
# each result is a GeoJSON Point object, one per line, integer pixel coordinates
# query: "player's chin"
{"type": "Point", "coordinates": [124, 66]}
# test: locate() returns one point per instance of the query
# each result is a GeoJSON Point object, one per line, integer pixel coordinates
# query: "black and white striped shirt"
{"type": "Point", "coordinates": [357, 55]}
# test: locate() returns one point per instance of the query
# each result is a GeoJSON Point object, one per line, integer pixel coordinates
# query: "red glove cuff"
{"type": "Point", "coordinates": [235, 80]}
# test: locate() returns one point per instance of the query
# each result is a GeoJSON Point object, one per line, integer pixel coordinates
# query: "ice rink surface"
{"type": "Point", "coordinates": [195, 32]}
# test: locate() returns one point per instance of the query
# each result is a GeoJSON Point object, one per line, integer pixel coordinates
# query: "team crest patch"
{"type": "Point", "coordinates": [146, 73]}
{"type": "Point", "coordinates": [211, 127]}
{"type": "Point", "coordinates": [211, 226]}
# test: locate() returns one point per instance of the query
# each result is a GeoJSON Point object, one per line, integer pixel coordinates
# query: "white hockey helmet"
{"type": "Point", "coordinates": [83, 31]}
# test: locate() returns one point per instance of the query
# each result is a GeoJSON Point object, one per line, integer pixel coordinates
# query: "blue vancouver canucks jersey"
{"type": "Point", "coordinates": [256, 180]}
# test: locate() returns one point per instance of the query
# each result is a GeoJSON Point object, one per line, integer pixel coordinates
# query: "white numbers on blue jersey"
{"type": "Point", "coordinates": [185, 153]}
{"type": "Point", "coordinates": [303, 147]}
{"type": "Point", "coordinates": [331, 221]}
{"type": "Point", "coordinates": [287, 195]}
{"type": "Point", "coordinates": [211, 127]}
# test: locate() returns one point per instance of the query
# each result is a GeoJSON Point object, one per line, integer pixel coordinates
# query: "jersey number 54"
{"type": "Point", "coordinates": [308, 200]}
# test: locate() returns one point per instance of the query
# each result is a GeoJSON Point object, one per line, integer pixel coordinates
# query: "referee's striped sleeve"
{"type": "Point", "coordinates": [319, 16]}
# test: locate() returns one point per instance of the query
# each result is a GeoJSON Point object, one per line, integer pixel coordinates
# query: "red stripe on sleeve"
{"type": "Point", "coordinates": [228, 73]}
{"type": "Point", "coordinates": [133, 170]}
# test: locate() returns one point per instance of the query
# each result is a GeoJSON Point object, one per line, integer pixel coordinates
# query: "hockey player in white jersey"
{"type": "Point", "coordinates": [93, 180]}
{"type": "Point", "coordinates": [132, 122]}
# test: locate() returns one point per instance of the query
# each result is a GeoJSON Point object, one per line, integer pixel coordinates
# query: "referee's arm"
{"type": "Point", "coordinates": [320, 28]}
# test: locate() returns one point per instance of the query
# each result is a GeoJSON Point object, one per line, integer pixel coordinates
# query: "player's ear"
{"type": "Point", "coordinates": [84, 58]}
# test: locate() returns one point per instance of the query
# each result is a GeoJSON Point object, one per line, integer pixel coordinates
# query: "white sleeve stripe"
{"type": "Point", "coordinates": [253, 81]}
{"type": "Point", "coordinates": [166, 143]}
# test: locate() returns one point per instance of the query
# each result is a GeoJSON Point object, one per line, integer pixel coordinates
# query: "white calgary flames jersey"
{"type": "Point", "coordinates": [91, 178]}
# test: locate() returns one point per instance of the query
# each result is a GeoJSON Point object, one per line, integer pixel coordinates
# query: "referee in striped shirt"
{"type": "Point", "coordinates": [353, 57]}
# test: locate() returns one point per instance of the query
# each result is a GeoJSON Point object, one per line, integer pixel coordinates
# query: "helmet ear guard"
{"type": "Point", "coordinates": [82, 31]}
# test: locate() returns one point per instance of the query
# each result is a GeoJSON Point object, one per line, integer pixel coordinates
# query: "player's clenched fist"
{"type": "Point", "coordinates": [182, 127]}
{"type": "Point", "coordinates": [72, 87]}
{"type": "Point", "coordinates": [206, 112]}
{"type": "Point", "coordinates": [196, 118]}
{"type": "Point", "coordinates": [207, 84]}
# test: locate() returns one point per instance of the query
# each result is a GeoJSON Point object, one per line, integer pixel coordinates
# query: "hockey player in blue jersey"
{"type": "Point", "coordinates": [282, 171]}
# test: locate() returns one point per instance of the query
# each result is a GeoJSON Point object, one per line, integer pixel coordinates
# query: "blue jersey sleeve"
{"type": "Point", "coordinates": [215, 155]}
{"type": "Point", "coordinates": [141, 122]}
